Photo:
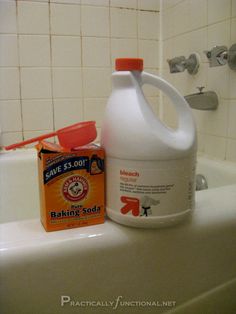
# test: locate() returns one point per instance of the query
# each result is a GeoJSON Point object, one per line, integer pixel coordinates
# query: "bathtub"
{"type": "Point", "coordinates": [189, 268]}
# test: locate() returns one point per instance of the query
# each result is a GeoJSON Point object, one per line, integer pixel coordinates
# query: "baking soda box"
{"type": "Point", "coordinates": [71, 186]}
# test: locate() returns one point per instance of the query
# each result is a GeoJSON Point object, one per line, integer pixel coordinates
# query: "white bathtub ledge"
{"type": "Point", "coordinates": [215, 210]}
{"type": "Point", "coordinates": [177, 263]}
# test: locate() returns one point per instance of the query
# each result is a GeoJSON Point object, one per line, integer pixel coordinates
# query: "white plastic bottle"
{"type": "Point", "coordinates": [150, 168]}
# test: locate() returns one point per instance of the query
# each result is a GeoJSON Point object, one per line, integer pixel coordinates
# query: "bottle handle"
{"type": "Point", "coordinates": [184, 136]}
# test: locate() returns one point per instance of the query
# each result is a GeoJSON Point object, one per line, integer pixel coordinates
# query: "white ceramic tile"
{"type": "Point", "coordinates": [233, 31]}
{"type": "Point", "coordinates": [191, 82]}
{"type": "Point", "coordinates": [148, 25]}
{"type": "Point", "coordinates": [201, 118]}
{"type": "Point", "coordinates": [215, 146]}
{"type": "Point", "coordinates": [96, 2]}
{"type": "Point", "coordinates": [232, 84]}
{"type": "Point", "coordinates": [180, 82]}
{"type": "Point", "coordinates": [181, 45]}
{"type": "Point", "coordinates": [132, 4]}
{"type": "Point", "coordinates": [67, 82]}
{"type": "Point", "coordinates": [94, 109]}
{"type": "Point", "coordinates": [149, 5]}
{"type": "Point", "coordinates": [34, 50]}
{"type": "Point", "coordinates": [169, 3]}
{"type": "Point", "coordinates": [218, 10]}
{"type": "Point", "coordinates": [123, 48]}
{"type": "Point", "coordinates": [66, 50]}
{"type": "Point", "coordinates": [37, 114]}
{"type": "Point", "coordinates": [216, 83]}
{"type": "Point", "coordinates": [219, 34]}
{"type": "Point", "coordinates": [197, 14]}
{"type": "Point", "coordinates": [96, 82]}
{"type": "Point", "coordinates": [217, 122]}
{"type": "Point", "coordinates": [123, 23]}
{"type": "Point", "coordinates": [10, 138]}
{"type": "Point", "coordinates": [8, 17]}
{"type": "Point", "coordinates": [167, 52]}
{"type": "Point", "coordinates": [67, 112]}
{"type": "Point", "coordinates": [149, 51]}
{"type": "Point", "coordinates": [198, 43]}
{"type": "Point", "coordinates": [233, 11]}
{"type": "Point", "coordinates": [10, 115]}
{"type": "Point", "coordinates": [154, 102]}
{"type": "Point", "coordinates": [181, 18]}
{"type": "Point", "coordinates": [65, 19]}
{"type": "Point", "coordinates": [9, 83]}
{"type": "Point", "coordinates": [95, 21]}
{"type": "Point", "coordinates": [200, 142]}
{"type": "Point", "coordinates": [168, 23]}
{"type": "Point", "coordinates": [8, 50]}
{"type": "Point", "coordinates": [33, 17]}
{"type": "Point", "coordinates": [96, 51]}
{"type": "Point", "coordinates": [232, 119]}
{"type": "Point", "coordinates": [231, 150]}
{"type": "Point", "coordinates": [149, 90]}
{"type": "Point", "coordinates": [168, 76]}
{"type": "Point", "coordinates": [36, 83]}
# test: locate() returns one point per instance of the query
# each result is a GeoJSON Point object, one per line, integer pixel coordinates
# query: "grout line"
{"type": "Point", "coordinates": [160, 61]}
{"type": "Point", "coordinates": [8, 34]}
{"type": "Point", "coordinates": [56, 98]}
{"type": "Point", "coordinates": [230, 24]}
{"type": "Point", "coordinates": [228, 118]}
{"type": "Point", "coordinates": [41, 130]}
{"type": "Point", "coordinates": [70, 67]}
{"type": "Point", "coordinates": [96, 6]}
{"type": "Point", "coordinates": [137, 29]}
{"type": "Point", "coordinates": [174, 5]}
{"type": "Point", "coordinates": [51, 67]}
{"type": "Point", "coordinates": [89, 36]}
{"type": "Point", "coordinates": [110, 51]}
{"type": "Point", "coordinates": [19, 71]}
{"type": "Point", "coordinates": [11, 132]}
{"type": "Point", "coordinates": [66, 2]}
{"type": "Point", "coordinates": [207, 41]}
{"type": "Point", "coordinates": [95, 67]}
{"type": "Point", "coordinates": [197, 28]}
{"type": "Point", "coordinates": [82, 67]}
{"type": "Point", "coordinates": [10, 66]}
{"type": "Point", "coordinates": [65, 98]}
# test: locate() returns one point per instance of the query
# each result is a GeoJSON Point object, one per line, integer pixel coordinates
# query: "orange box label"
{"type": "Point", "coordinates": [71, 186]}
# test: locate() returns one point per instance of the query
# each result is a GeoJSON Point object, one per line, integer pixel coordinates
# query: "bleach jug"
{"type": "Point", "coordinates": [150, 168]}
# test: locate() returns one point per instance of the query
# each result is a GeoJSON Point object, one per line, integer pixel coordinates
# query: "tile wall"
{"type": "Point", "coordinates": [194, 26]}
{"type": "Point", "coordinates": [57, 56]}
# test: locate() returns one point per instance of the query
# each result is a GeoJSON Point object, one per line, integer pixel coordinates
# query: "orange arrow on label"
{"type": "Point", "coordinates": [132, 204]}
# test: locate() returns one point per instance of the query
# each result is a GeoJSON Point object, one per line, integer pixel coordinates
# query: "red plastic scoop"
{"type": "Point", "coordinates": [72, 136]}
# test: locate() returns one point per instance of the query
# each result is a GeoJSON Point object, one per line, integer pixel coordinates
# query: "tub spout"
{"type": "Point", "coordinates": [203, 100]}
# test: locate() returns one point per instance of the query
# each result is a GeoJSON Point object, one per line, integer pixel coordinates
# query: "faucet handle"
{"type": "Point", "coordinates": [217, 55]}
{"type": "Point", "coordinates": [200, 89]}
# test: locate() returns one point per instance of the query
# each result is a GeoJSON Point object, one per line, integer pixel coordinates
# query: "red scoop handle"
{"type": "Point", "coordinates": [31, 140]}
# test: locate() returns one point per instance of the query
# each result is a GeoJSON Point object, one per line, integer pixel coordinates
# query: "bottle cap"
{"type": "Point", "coordinates": [129, 64]}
